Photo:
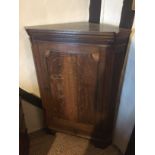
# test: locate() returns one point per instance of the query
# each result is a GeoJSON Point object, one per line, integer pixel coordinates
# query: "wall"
{"type": "Point", "coordinates": [36, 12]}
{"type": "Point", "coordinates": [33, 116]}
{"type": "Point", "coordinates": [111, 11]}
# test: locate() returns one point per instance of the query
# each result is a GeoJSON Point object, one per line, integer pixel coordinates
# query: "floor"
{"type": "Point", "coordinates": [42, 143]}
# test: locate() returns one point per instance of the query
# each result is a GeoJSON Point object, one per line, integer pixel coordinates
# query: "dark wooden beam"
{"type": "Point", "coordinates": [127, 15]}
{"type": "Point", "coordinates": [131, 145]}
{"type": "Point", "coordinates": [32, 99]}
{"type": "Point", "coordinates": [23, 135]}
{"type": "Point", "coordinates": [94, 11]}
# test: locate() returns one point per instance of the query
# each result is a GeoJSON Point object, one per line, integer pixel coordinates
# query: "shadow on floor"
{"type": "Point", "coordinates": [110, 150]}
{"type": "Point", "coordinates": [103, 144]}
{"type": "Point", "coordinates": [40, 142]}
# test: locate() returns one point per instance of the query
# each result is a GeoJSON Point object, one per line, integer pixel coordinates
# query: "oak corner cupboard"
{"type": "Point", "coordinates": [78, 68]}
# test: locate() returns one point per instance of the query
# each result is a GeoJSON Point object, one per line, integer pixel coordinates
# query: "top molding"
{"type": "Point", "coordinates": [83, 32]}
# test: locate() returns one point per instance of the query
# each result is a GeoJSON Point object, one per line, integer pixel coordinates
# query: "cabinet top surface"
{"type": "Point", "coordinates": [77, 28]}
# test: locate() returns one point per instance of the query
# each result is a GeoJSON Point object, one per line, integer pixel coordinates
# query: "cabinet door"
{"type": "Point", "coordinates": [76, 84]}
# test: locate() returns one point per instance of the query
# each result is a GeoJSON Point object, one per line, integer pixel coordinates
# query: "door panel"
{"type": "Point", "coordinates": [75, 78]}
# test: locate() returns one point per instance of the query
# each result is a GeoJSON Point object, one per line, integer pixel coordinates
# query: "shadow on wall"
{"type": "Point", "coordinates": [126, 112]}
{"type": "Point", "coordinates": [98, 147]}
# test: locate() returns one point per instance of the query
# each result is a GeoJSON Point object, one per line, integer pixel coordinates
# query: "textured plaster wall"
{"type": "Point", "coordinates": [111, 11]}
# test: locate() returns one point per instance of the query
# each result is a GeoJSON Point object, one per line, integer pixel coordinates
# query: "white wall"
{"type": "Point", "coordinates": [111, 11]}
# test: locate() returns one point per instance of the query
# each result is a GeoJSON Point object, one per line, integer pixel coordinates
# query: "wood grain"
{"type": "Point", "coordinates": [78, 74]}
